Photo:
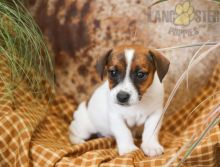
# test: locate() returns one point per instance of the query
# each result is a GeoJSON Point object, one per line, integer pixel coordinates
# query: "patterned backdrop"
{"type": "Point", "coordinates": [79, 31]}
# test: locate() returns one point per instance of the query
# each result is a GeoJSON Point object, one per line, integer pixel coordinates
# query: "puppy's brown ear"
{"type": "Point", "coordinates": [101, 63]}
{"type": "Point", "coordinates": [161, 63]}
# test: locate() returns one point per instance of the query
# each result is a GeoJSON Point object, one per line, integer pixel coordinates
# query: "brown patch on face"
{"type": "Point", "coordinates": [142, 64]}
{"type": "Point", "coordinates": [145, 67]}
{"type": "Point", "coordinates": [116, 63]}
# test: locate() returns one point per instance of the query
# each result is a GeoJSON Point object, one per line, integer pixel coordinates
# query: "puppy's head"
{"type": "Point", "coordinates": [130, 70]}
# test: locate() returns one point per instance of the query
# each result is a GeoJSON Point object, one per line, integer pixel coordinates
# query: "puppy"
{"type": "Point", "coordinates": [131, 96]}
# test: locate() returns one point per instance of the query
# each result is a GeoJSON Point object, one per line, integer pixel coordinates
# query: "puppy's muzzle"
{"type": "Point", "coordinates": [123, 97]}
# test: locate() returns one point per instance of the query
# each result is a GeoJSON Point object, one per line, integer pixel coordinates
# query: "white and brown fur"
{"type": "Point", "coordinates": [131, 96]}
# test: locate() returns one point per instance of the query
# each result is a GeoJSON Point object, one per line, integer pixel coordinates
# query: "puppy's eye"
{"type": "Point", "coordinates": [141, 75]}
{"type": "Point", "coordinates": [114, 73]}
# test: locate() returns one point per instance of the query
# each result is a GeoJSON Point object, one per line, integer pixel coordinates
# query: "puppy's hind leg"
{"type": "Point", "coordinates": [81, 127]}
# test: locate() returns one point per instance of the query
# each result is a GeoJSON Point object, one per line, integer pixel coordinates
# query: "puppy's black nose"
{"type": "Point", "coordinates": [123, 97]}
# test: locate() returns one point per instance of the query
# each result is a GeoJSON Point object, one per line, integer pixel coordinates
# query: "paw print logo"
{"type": "Point", "coordinates": [184, 13]}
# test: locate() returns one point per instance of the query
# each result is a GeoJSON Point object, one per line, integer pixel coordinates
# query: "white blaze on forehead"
{"type": "Point", "coordinates": [129, 54]}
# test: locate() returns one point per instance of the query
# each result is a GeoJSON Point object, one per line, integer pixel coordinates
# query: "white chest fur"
{"type": "Point", "coordinates": [100, 106]}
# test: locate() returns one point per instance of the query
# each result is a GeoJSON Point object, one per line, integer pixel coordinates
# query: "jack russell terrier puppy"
{"type": "Point", "coordinates": [131, 96]}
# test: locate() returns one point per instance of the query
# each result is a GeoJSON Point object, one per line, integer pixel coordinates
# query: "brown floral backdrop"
{"type": "Point", "coordinates": [79, 31]}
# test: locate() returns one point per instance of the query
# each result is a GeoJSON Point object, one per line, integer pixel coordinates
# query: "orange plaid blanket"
{"type": "Point", "coordinates": [34, 132]}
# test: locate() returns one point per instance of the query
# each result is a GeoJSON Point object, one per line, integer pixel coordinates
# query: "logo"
{"type": "Point", "coordinates": [184, 19]}
{"type": "Point", "coordinates": [185, 14]}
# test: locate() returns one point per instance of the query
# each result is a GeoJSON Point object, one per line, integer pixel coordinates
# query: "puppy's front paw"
{"type": "Point", "coordinates": [127, 149]}
{"type": "Point", "coordinates": [152, 149]}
